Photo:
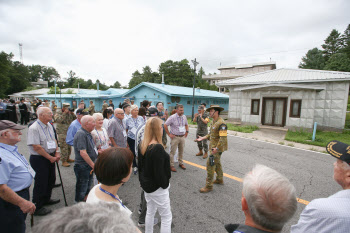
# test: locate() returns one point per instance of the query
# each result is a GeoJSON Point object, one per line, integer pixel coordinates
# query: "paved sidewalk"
{"type": "Point", "coordinates": [273, 135]}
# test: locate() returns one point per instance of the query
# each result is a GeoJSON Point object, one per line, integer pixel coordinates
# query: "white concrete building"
{"type": "Point", "coordinates": [290, 98]}
{"type": "Point", "coordinates": [235, 71]}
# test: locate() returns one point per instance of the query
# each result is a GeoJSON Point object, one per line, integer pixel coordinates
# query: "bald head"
{"type": "Point", "coordinates": [119, 113]}
{"type": "Point", "coordinates": [88, 123]}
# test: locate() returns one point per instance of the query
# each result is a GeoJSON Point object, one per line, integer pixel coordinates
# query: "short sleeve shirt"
{"type": "Point", "coordinates": [83, 141]}
{"type": "Point", "coordinates": [14, 168]}
{"type": "Point", "coordinates": [100, 137]}
{"type": "Point", "coordinates": [40, 134]}
{"type": "Point", "coordinates": [175, 121]}
{"type": "Point", "coordinates": [116, 130]}
{"type": "Point", "coordinates": [132, 124]}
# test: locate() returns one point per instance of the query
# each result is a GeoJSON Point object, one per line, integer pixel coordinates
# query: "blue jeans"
{"type": "Point", "coordinates": [84, 181]}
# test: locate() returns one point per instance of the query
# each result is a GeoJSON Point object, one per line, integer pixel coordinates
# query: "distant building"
{"type": "Point", "coordinates": [172, 95]}
{"type": "Point", "coordinates": [290, 98]}
{"type": "Point", "coordinates": [37, 92]}
{"type": "Point", "coordinates": [235, 71]}
{"type": "Point", "coordinates": [40, 84]}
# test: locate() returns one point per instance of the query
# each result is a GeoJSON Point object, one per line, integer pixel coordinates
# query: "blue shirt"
{"type": "Point", "coordinates": [2, 107]}
{"type": "Point", "coordinates": [72, 130]}
{"type": "Point", "coordinates": [14, 168]}
{"type": "Point", "coordinates": [133, 123]}
{"type": "Point", "coordinates": [326, 214]}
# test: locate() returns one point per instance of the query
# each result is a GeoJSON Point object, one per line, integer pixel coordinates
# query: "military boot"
{"type": "Point", "coordinates": [65, 164]}
{"type": "Point", "coordinates": [208, 187]}
{"type": "Point", "coordinates": [199, 153]}
{"type": "Point", "coordinates": [205, 155]}
{"type": "Point", "coordinates": [70, 160]}
{"type": "Point", "coordinates": [218, 181]}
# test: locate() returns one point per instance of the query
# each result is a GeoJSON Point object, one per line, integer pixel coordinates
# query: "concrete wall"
{"type": "Point", "coordinates": [326, 107]}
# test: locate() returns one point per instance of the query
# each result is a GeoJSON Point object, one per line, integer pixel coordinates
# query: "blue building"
{"type": "Point", "coordinates": [115, 94]}
{"type": "Point", "coordinates": [172, 95]}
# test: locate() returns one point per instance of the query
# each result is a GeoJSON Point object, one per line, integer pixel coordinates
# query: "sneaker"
{"type": "Point", "coordinates": [135, 170]}
{"type": "Point", "coordinates": [155, 222]}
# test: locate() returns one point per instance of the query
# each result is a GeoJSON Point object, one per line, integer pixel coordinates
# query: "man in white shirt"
{"type": "Point", "coordinates": [330, 214]}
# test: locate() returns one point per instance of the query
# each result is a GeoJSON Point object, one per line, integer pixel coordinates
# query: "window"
{"type": "Point", "coordinates": [188, 102]}
{"type": "Point", "coordinates": [255, 107]}
{"type": "Point", "coordinates": [295, 108]}
{"type": "Point", "coordinates": [199, 102]}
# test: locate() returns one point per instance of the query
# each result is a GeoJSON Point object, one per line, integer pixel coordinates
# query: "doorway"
{"type": "Point", "coordinates": [274, 111]}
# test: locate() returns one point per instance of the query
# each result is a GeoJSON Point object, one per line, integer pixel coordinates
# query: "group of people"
{"type": "Point", "coordinates": [111, 146]}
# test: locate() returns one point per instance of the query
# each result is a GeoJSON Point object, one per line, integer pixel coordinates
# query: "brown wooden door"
{"type": "Point", "coordinates": [274, 111]}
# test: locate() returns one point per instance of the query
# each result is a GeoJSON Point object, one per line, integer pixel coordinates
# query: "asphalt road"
{"type": "Point", "coordinates": [310, 172]}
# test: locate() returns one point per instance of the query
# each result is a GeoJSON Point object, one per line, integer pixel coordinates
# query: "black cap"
{"type": "Point", "coordinates": [81, 111]}
{"type": "Point", "coordinates": [152, 111]}
{"type": "Point", "coordinates": [339, 150]}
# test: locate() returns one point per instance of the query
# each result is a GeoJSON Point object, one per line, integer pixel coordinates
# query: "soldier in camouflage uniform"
{"type": "Point", "coordinates": [217, 144]}
{"type": "Point", "coordinates": [63, 118]}
{"type": "Point", "coordinates": [202, 119]}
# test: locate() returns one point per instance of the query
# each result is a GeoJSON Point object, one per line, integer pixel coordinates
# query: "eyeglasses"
{"type": "Point", "coordinates": [120, 113]}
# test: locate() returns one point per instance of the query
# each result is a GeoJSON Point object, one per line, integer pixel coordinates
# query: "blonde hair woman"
{"type": "Point", "coordinates": [154, 175]}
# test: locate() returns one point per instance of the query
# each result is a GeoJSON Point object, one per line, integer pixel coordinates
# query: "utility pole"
{"type": "Point", "coordinates": [20, 52]}
{"type": "Point", "coordinates": [195, 63]}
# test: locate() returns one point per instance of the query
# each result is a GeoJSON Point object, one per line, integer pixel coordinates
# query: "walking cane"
{"type": "Point", "coordinates": [31, 220]}
{"type": "Point", "coordinates": [64, 194]}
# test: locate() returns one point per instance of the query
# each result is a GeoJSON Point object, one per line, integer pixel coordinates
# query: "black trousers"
{"type": "Point", "coordinates": [44, 180]}
{"type": "Point", "coordinates": [131, 143]}
{"type": "Point", "coordinates": [24, 118]}
{"type": "Point", "coordinates": [12, 219]}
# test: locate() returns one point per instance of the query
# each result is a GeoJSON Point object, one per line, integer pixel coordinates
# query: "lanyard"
{"type": "Point", "coordinates": [91, 140]}
{"type": "Point", "coordinates": [24, 161]}
{"type": "Point", "coordinates": [122, 124]}
{"type": "Point", "coordinates": [100, 137]}
{"type": "Point", "coordinates": [44, 131]}
{"type": "Point", "coordinates": [110, 194]}
{"type": "Point", "coordinates": [182, 121]}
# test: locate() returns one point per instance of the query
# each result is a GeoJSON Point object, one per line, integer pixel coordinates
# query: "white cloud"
{"type": "Point", "coordinates": [109, 39]}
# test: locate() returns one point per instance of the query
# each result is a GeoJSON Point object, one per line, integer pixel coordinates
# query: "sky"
{"type": "Point", "coordinates": [110, 39]}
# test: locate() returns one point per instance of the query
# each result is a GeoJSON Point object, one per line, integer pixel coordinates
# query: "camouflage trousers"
{"type": "Point", "coordinates": [202, 144]}
{"type": "Point", "coordinates": [212, 169]}
{"type": "Point", "coordinates": [66, 149]}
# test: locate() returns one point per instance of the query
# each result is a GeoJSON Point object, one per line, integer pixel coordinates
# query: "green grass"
{"type": "Point", "coordinates": [322, 137]}
{"type": "Point", "coordinates": [347, 121]}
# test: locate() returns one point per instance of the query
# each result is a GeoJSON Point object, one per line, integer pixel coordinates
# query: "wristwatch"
{"type": "Point", "coordinates": [186, 131]}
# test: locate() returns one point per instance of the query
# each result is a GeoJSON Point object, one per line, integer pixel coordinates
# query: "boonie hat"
{"type": "Point", "coordinates": [339, 150]}
{"type": "Point", "coordinates": [215, 106]}
{"type": "Point", "coordinates": [5, 124]}
{"type": "Point", "coordinates": [66, 104]}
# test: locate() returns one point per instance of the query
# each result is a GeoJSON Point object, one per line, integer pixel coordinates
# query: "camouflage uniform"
{"type": "Point", "coordinates": [63, 120]}
{"type": "Point", "coordinates": [104, 106]}
{"type": "Point", "coordinates": [91, 109]}
{"type": "Point", "coordinates": [202, 130]}
{"type": "Point", "coordinates": [220, 142]}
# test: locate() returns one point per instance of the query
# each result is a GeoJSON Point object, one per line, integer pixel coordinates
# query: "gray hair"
{"type": "Point", "coordinates": [101, 217]}
{"type": "Point", "coordinates": [95, 115]}
{"type": "Point", "coordinates": [41, 110]}
{"type": "Point", "coordinates": [271, 198]}
{"type": "Point", "coordinates": [134, 106]}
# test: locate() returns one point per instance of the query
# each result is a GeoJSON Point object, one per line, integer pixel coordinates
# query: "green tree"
{"type": "Point", "coordinates": [136, 79]}
{"type": "Point", "coordinates": [177, 73]}
{"type": "Point", "coordinates": [19, 78]}
{"type": "Point", "coordinates": [338, 62]}
{"type": "Point", "coordinates": [49, 74]}
{"type": "Point", "coordinates": [71, 78]}
{"type": "Point", "coordinates": [52, 90]}
{"type": "Point", "coordinates": [332, 44]}
{"type": "Point", "coordinates": [116, 85]}
{"type": "Point", "coordinates": [345, 39]}
{"type": "Point", "coordinates": [5, 68]}
{"type": "Point", "coordinates": [313, 59]}
{"type": "Point", "coordinates": [35, 72]}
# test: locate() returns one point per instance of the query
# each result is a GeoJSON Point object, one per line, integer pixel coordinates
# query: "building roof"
{"type": "Point", "coordinates": [88, 93]}
{"type": "Point", "coordinates": [288, 76]}
{"type": "Point", "coordinates": [178, 91]}
{"type": "Point", "coordinates": [250, 65]}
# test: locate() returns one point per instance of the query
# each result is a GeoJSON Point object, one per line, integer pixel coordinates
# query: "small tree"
{"type": "Point", "coordinates": [52, 90]}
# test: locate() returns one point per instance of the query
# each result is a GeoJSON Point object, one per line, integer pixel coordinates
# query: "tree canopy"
{"type": "Point", "coordinates": [334, 55]}
{"type": "Point", "coordinates": [177, 73]}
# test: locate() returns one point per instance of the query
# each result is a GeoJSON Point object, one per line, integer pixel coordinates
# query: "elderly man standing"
{"type": "Point", "coordinates": [43, 155]}
{"type": "Point", "coordinates": [117, 129]}
{"type": "Point", "coordinates": [75, 126]}
{"type": "Point", "coordinates": [179, 131]}
{"type": "Point", "coordinates": [268, 202]}
{"type": "Point", "coordinates": [330, 214]}
{"type": "Point", "coordinates": [202, 119]}
{"type": "Point", "coordinates": [16, 176]}
{"type": "Point", "coordinates": [85, 155]}
{"type": "Point", "coordinates": [63, 119]}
